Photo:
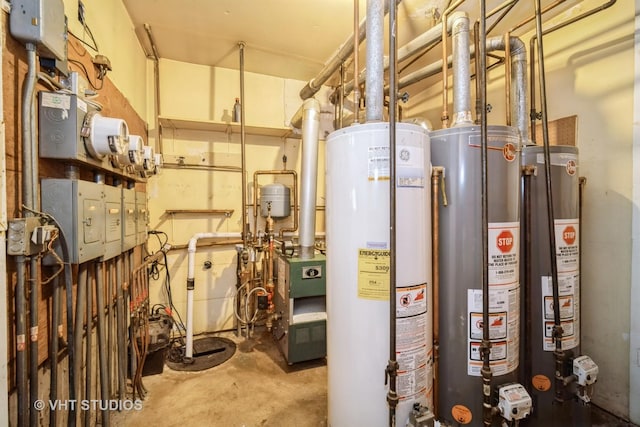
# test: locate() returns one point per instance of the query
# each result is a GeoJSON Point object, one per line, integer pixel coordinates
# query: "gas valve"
{"type": "Point", "coordinates": [514, 402]}
{"type": "Point", "coordinates": [585, 372]}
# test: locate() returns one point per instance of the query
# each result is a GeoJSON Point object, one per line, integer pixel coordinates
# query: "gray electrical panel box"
{"type": "Point", "coordinates": [41, 22]}
{"type": "Point", "coordinates": [60, 118]}
{"type": "Point", "coordinates": [141, 218]}
{"type": "Point", "coordinates": [128, 219]}
{"type": "Point", "coordinates": [113, 222]}
{"type": "Point", "coordinates": [78, 206]}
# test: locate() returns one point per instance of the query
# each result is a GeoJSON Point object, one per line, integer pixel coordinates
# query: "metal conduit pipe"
{"type": "Point", "coordinates": [461, 74]}
{"type": "Point", "coordinates": [485, 346]}
{"type": "Point", "coordinates": [533, 112]}
{"type": "Point", "coordinates": [393, 365]}
{"type": "Point", "coordinates": [156, 84]}
{"type": "Point", "coordinates": [53, 348]}
{"type": "Point", "coordinates": [34, 298]}
{"type": "Point", "coordinates": [559, 356]}
{"type": "Point", "coordinates": [27, 147]}
{"type": "Point", "coordinates": [102, 343]}
{"type": "Point", "coordinates": [120, 316]}
{"type": "Point", "coordinates": [78, 331]}
{"type": "Point", "coordinates": [21, 350]}
{"type": "Point", "coordinates": [309, 177]}
{"type": "Point", "coordinates": [88, 392]}
{"type": "Point", "coordinates": [374, 89]}
{"type": "Point", "coordinates": [345, 50]}
{"type": "Point", "coordinates": [68, 279]}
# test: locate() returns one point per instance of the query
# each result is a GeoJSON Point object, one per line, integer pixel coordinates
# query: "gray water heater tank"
{"type": "Point", "coordinates": [277, 197]}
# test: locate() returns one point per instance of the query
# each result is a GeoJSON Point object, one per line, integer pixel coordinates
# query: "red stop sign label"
{"type": "Point", "coordinates": [569, 235]}
{"type": "Point", "coordinates": [504, 241]}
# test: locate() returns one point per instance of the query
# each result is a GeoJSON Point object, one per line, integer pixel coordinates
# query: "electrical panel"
{"type": "Point", "coordinates": [79, 208]}
{"type": "Point", "coordinates": [141, 218]}
{"type": "Point", "coordinates": [113, 221]}
{"type": "Point", "coordinates": [41, 22]}
{"type": "Point", "coordinates": [61, 117]}
{"type": "Point", "coordinates": [71, 128]}
{"type": "Point", "coordinates": [128, 219]}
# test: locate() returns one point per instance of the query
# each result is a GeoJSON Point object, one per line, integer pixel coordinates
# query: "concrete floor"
{"type": "Point", "coordinates": [255, 387]}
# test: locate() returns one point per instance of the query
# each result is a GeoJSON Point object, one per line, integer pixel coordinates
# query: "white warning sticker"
{"type": "Point", "coordinates": [567, 249]}
{"type": "Point", "coordinates": [56, 100]}
{"type": "Point", "coordinates": [569, 299]}
{"type": "Point", "coordinates": [411, 300]}
{"type": "Point", "coordinates": [504, 248]}
{"type": "Point", "coordinates": [378, 163]}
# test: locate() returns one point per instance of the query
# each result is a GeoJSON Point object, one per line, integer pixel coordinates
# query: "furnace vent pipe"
{"type": "Point", "coordinates": [461, 74]}
{"type": "Point", "coordinates": [518, 89]}
{"type": "Point", "coordinates": [374, 89]}
{"type": "Point", "coordinates": [347, 48]}
{"type": "Point", "coordinates": [309, 176]}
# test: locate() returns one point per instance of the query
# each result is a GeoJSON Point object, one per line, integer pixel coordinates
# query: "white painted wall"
{"type": "Point", "coordinates": [199, 92]}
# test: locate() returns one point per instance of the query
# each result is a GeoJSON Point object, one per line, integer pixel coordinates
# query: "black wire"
{"type": "Point", "coordinates": [92, 47]}
{"type": "Point", "coordinates": [86, 73]}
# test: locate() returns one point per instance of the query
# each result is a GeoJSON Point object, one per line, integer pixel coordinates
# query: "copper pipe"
{"type": "Point", "coordinates": [445, 83]}
{"type": "Point", "coordinates": [295, 198]}
{"type": "Point", "coordinates": [532, 17]}
{"type": "Point", "coordinates": [438, 172]}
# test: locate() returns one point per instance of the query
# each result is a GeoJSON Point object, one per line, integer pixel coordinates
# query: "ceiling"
{"type": "Point", "coordinates": [285, 38]}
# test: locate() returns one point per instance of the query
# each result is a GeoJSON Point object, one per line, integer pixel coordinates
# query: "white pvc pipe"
{"type": "Point", "coordinates": [309, 176]}
{"type": "Point", "coordinates": [191, 269]}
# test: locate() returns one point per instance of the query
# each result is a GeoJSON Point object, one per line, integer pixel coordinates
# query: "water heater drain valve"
{"type": "Point", "coordinates": [514, 402]}
{"type": "Point", "coordinates": [585, 372]}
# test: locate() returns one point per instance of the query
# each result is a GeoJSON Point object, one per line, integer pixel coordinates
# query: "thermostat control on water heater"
{"type": "Point", "coordinates": [515, 403]}
{"type": "Point", "coordinates": [585, 370]}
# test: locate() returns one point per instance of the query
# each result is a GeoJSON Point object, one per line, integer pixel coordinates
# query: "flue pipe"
{"type": "Point", "coordinates": [243, 148]}
{"type": "Point", "coordinates": [461, 74]}
{"type": "Point", "coordinates": [445, 78]}
{"type": "Point", "coordinates": [374, 90]}
{"type": "Point", "coordinates": [309, 176]}
{"type": "Point", "coordinates": [347, 48]}
{"type": "Point", "coordinates": [356, 62]}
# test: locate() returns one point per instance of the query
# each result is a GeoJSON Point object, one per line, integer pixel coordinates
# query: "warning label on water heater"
{"type": "Point", "coordinates": [373, 274]}
{"type": "Point", "coordinates": [378, 163]}
{"type": "Point", "coordinates": [569, 301]}
{"type": "Point", "coordinates": [503, 253]}
{"type": "Point", "coordinates": [567, 250]}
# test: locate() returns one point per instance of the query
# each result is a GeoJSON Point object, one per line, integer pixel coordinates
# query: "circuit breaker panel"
{"type": "Point", "coordinates": [79, 208]}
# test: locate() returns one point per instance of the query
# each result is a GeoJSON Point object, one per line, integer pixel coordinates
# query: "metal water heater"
{"type": "Point", "coordinates": [539, 368]}
{"type": "Point", "coordinates": [458, 150]}
{"type": "Point", "coordinates": [358, 255]}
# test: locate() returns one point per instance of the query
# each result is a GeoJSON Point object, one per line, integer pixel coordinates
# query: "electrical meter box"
{"type": "Point", "coordinates": [41, 22]}
{"type": "Point", "coordinates": [128, 219]}
{"type": "Point", "coordinates": [113, 222]}
{"type": "Point", "coordinates": [141, 217]}
{"type": "Point", "coordinates": [60, 120]}
{"type": "Point", "coordinates": [79, 208]}
{"type": "Point", "coordinates": [300, 301]}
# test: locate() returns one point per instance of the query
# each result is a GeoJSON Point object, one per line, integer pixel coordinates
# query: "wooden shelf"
{"type": "Point", "coordinates": [225, 212]}
{"type": "Point", "coordinates": [212, 126]}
